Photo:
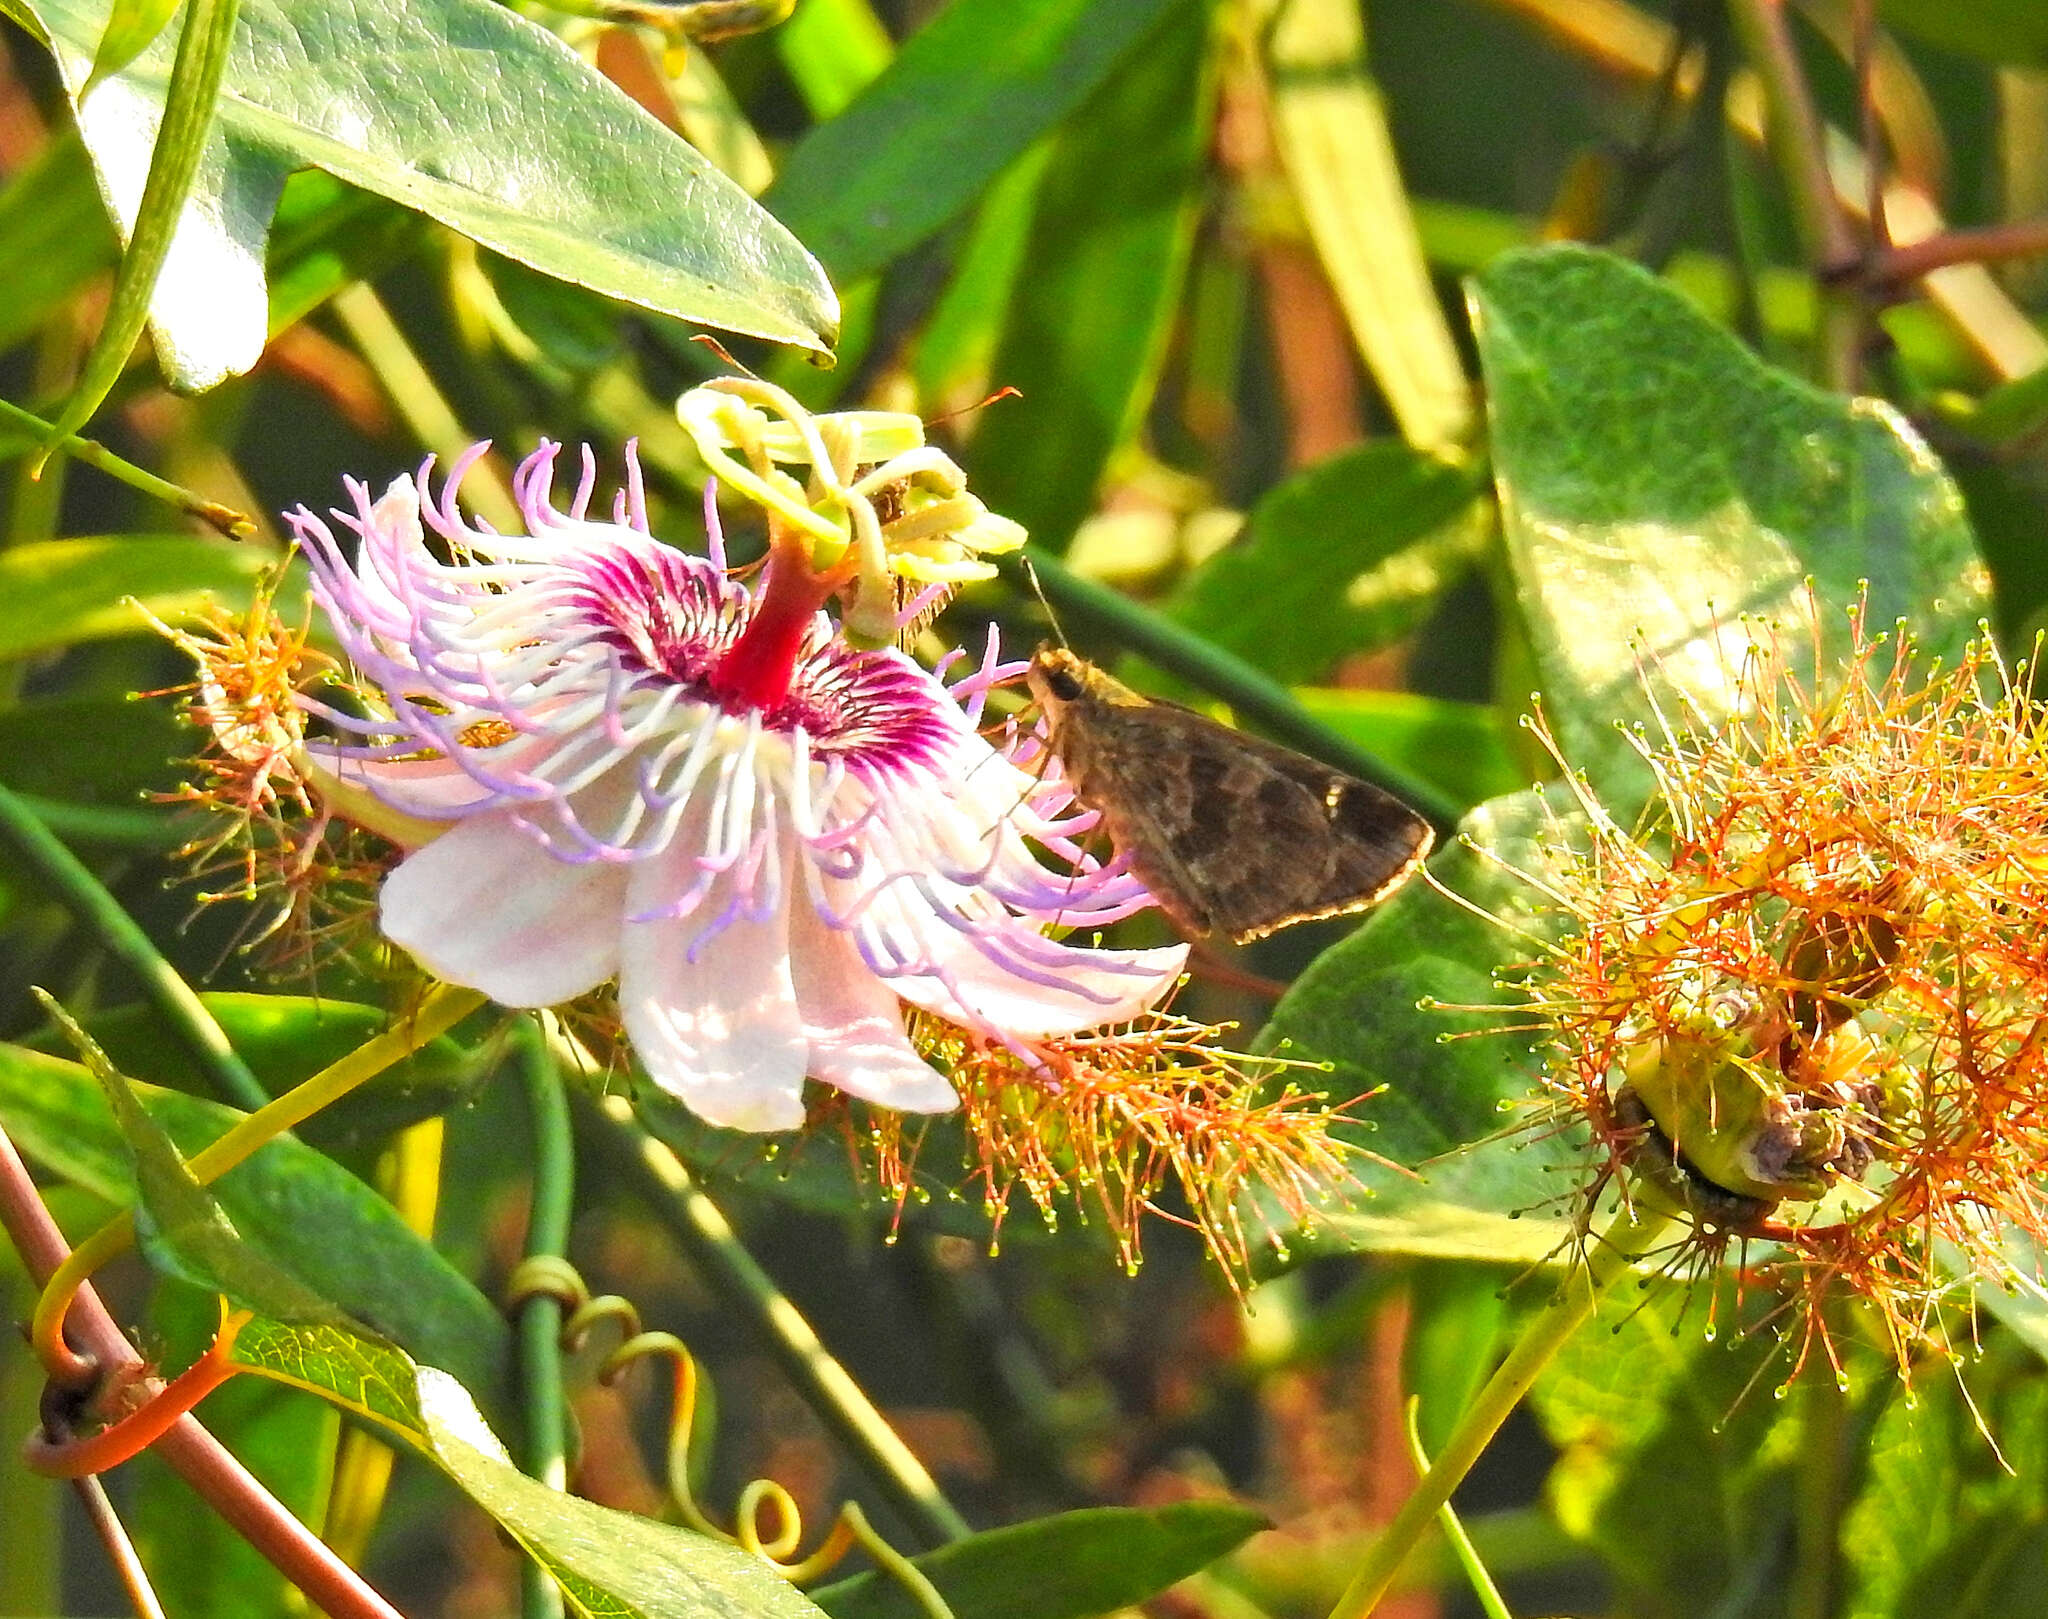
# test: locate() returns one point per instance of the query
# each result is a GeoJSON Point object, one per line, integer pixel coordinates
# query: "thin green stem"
{"type": "Point", "coordinates": [235, 525]}
{"type": "Point", "coordinates": [1490, 1600]}
{"type": "Point", "coordinates": [540, 1317]}
{"type": "Point", "coordinates": [824, 1384]}
{"type": "Point", "coordinates": [103, 916]}
{"type": "Point", "coordinates": [1250, 691]}
{"type": "Point", "coordinates": [1614, 1252]}
{"type": "Point", "coordinates": [203, 45]}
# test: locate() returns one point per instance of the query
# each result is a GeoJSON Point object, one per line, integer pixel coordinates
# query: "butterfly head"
{"type": "Point", "coordinates": [1058, 677]}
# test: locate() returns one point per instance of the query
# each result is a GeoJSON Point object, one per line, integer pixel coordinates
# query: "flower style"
{"type": "Point", "coordinates": [605, 758]}
{"type": "Point", "coordinates": [1807, 1000]}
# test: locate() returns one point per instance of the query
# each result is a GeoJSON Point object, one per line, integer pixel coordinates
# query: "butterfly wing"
{"type": "Point", "coordinates": [1233, 832]}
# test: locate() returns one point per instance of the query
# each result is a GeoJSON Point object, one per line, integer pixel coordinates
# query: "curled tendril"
{"type": "Point", "coordinates": [548, 1276]}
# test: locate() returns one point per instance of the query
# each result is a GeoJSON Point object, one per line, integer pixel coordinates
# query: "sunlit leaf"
{"type": "Point", "coordinates": [313, 1216]}
{"type": "Point", "coordinates": [541, 159]}
{"type": "Point", "coordinates": [1331, 130]}
{"type": "Point", "coordinates": [964, 96]}
{"type": "Point", "coordinates": [1458, 1108]}
{"type": "Point", "coordinates": [1658, 483]}
{"type": "Point", "coordinates": [610, 1564]}
{"type": "Point", "coordinates": [56, 592]}
{"type": "Point", "coordinates": [1069, 1566]}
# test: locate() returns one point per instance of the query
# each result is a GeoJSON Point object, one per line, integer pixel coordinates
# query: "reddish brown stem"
{"type": "Point", "coordinates": [757, 671]}
{"type": "Point", "coordinates": [193, 1453]}
{"type": "Point", "coordinates": [1983, 244]}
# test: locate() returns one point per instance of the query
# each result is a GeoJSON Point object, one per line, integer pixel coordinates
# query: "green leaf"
{"type": "Point", "coordinates": [131, 26]}
{"type": "Point", "coordinates": [326, 236]}
{"type": "Point", "coordinates": [1945, 1526]}
{"type": "Point", "coordinates": [1089, 317]}
{"type": "Point", "coordinates": [179, 1225]}
{"type": "Point", "coordinates": [1676, 1459]}
{"type": "Point", "coordinates": [2011, 32]}
{"type": "Point", "coordinates": [201, 1568]}
{"type": "Point", "coordinates": [1331, 130]}
{"type": "Point", "coordinates": [289, 1038]}
{"type": "Point", "coordinates": [610, 1565]}
{"type": "Point", "coordinates": [1658, 483]}
{"type": "Point", "coordinates": [1342, 558]}
{"type": "Point", "coordinates": [312, 1215]}
{"type": "Point", "coordinates": [56, 592]}
{"type": "Point", "coordinates": [115, 749]}
{"type": "Point", "coordinates": [1459, 1085]}
{"type": "Point", "coordinates": [541, 159]}
{"type": "Point", "coordinates": [964, 96]}
{"type": "Point", "coordinates": [53, 235]}
{"type": "Point", "coordinates": [833, 49]}
{"type": "Point", "coordinates": [1462, 748]}
{"type": "Point", "coordinates": [1064, 1567]}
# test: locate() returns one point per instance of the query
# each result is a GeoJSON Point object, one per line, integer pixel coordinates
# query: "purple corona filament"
{"type": "Point", "coordinates": [604, 762]}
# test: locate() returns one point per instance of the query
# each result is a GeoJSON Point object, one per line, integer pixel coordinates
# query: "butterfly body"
{"type": "Point", "coordinates": [1232, 833]}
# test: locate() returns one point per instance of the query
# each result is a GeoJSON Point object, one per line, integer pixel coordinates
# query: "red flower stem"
{"type": "Point", "coordinates": [193, 1453]}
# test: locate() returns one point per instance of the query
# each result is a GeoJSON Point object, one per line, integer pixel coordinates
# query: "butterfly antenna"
{"type": "Point", "coordinates": [1038, 590]}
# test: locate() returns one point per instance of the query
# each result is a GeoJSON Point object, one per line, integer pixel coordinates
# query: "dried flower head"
{"type": "Point", "coordinates": [1805, 1000]}
{"type": "Point", "coordinates": [1111, 1119]}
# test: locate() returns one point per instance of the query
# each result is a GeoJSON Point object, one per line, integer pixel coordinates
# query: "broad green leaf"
{"type": "Point", "coordinates": [179, 1224]}
{"type": "Point", "coordinates": [201, 1568]}
{"type": "Point", "coordinates": [965, 95]}
{"type": "Point", "coordinates": [1460, 1087]}
{"type": "Point", "coordinates": [131, 25]}
{"type": "Point", "coordinates": [113, 750]}
{"type": "Point", "coordinates": [2012, 32]}
{"type": "Point", "coordinates": [1658, 484]}
{"type": "Point", "coordinates": [1331, 131]}
{"type": "Point", "coordinates": [1675, 1457]}
{"type": "Point", "coordinates": [541, 159]}
{"type": "Point", "coordinates": [610, 1565]}
{"type": "Point", "coordinates": [1944, 1525]}
{"type": "Point", "coordinates": [53, 235]}
{"type": "Point", "coordinates": [1461, 747]}
{"type": "Point", "coordinates": [288, 1038]}
{"type": "Point", "coordinates": [1344, 557]}
{"type": "Point", "coordinates": [55, 592]}
{"type": "Point", "coordinates": [1089, 317]}
{"type": "Point", "coordinates": [314, 1217]}
{"type": "Point", "coordinates": [1069, 1566]}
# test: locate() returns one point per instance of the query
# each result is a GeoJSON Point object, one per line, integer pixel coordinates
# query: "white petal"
{"type": "Point", "coordinates": [1066, 988]}
{"type": "Point", "coordinates": [854, 1024]}
{"type": "Point", "coordinates": [721, 1033]}
{"type": "Point", "coordinates": [486, 906]}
